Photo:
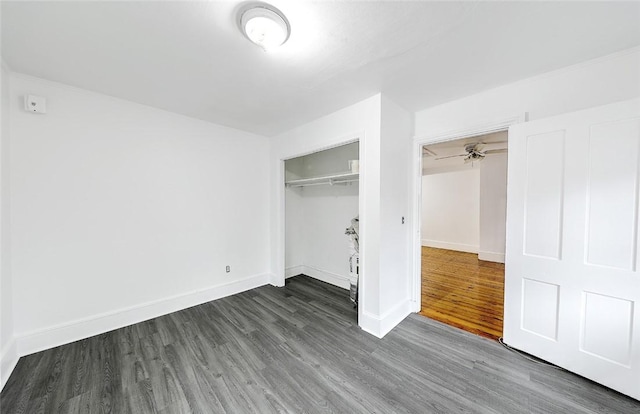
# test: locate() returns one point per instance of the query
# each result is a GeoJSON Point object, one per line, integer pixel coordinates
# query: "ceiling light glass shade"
{"type": "Point", "coordinates": [265, 26]}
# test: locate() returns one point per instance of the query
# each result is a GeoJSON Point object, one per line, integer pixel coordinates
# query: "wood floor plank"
{"type": "Point", "coordinates": [295, 349]}
{"type": "Point", "coordinates": [462, 291]}
{"type": "Point", "coordinates": [140, 398]}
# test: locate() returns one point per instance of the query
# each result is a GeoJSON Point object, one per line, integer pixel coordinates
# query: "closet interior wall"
{"type": "Point", "coordinates": [317, 215]}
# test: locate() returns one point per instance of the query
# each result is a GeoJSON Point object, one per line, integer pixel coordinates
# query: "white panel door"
{"type": "Point", "coordinates": [572, 286]}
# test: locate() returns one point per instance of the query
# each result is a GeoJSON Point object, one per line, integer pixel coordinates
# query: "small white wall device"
{"type": "Point", "coordinates": [35, 104]}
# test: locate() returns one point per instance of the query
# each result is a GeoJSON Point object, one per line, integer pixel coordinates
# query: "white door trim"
{"type": "Point", "coordinates": [416, 201]}
{"type": "Point", "coordinates": [278, 277]}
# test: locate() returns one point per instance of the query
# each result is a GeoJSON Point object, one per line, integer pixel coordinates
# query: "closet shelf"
{"type": "Point", "coordinates": [341, 178]}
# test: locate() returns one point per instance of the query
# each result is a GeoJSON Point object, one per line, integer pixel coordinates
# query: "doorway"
{"type": "Point", "coordinates": [463, 222]}
{"type": "Point", "coordinates": [322, 201]}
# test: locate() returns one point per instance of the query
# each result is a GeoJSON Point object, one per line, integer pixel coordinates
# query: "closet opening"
{"type": "Point", "coordinates": [463, 232]}
{"type": "Point", "coordinates": [322, 221]}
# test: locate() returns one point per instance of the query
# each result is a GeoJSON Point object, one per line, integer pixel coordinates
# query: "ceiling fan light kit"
{"type": "Point", "coordinates": [264, 25]}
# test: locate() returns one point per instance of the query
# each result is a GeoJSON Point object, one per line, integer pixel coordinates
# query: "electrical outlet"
{"type": "Point", "coordinates": [228, 269]}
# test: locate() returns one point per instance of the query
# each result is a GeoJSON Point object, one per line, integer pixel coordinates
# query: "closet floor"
{"type": "Point", "coordinates": [462, 291]}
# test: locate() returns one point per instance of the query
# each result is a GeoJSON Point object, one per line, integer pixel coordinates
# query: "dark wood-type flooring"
{"type": "Point", "coordinates": [295, 349]}
{"type": "Point", "coordinates": [462, 291]}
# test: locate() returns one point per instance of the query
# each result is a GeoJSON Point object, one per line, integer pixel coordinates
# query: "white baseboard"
{"type": "Point", "coordinates": [460, 247]}
{"type": "Point", "coordinates": [380, 326]}
{"type": "Point", "coordinates": [293, 271]}
{"type": "Point", "coordinates": [322, 275]}
{"type": "Point", "coordinates": [30, 342]}
{"type": "Point", "coordinates": [491, 257]}
{"type": "Point", "coordinates": [275, 281]}
{"type": "Point", "coordinates": [8, 360]}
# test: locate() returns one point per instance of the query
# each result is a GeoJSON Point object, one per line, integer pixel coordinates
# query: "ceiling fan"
{"type": "Point", "coordinates": [473, 152]}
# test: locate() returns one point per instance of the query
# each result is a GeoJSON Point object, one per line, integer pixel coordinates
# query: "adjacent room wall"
{"type": "Point", "coordinates": [451, 210]}
{"type": "Point", "coordinates": [122, 212]}
{"type": "Point", "coordinates": [8, 351]}
{"type": "Point", "coordinates": [493, 208]}
{"type": "Point", "coordinates": [465, 209]}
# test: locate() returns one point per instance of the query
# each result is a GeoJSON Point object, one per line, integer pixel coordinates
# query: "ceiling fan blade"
{"type": "Point", "coordinates": [427, 152]}
{"type": "Point", "coordinates": [495, 151]}
{"type": "Point", "coordinates": [452, 156]}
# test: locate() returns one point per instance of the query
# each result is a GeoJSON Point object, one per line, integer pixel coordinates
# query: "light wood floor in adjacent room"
{"type": "Point", "coordinates": [462, 291]}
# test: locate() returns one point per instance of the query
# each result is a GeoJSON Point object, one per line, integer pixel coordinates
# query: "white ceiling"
{"type": "Point", "coordinates": [188, 57]}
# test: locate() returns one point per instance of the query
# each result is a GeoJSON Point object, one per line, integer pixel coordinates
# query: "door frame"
{"type": "Point", "coordinates": [416, 194]}
{"type": "Point", "coordinates": [279, 272]}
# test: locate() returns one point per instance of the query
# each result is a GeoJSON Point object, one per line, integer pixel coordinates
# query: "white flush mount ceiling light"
{"type": "Point", "coordinates": [265, 26]}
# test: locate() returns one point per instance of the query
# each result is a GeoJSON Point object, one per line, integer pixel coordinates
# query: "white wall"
{"type": "Point", "coordinates": [295, 237]}
{"type": "Point", "coordinates": [122, 212]}
{"type": "Point", "coordinates": [465, 210]}
{"type": "Point", "coordinates": [395, 214]}
{"type": "Point", "coordinates": [361, 121]}
{"type": "Point", "coordinates": [451, 210]}
{"type": "Point", "coordinates": [493, 208]}
{"type": "Point", "coordinates": [326, 211]}
{"type": "Point", "coordinates": [8, 352]}
{"type": "Point", "coordinates": [597, 82]}
{"type": "Point", "coordinates": [316, 217]}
